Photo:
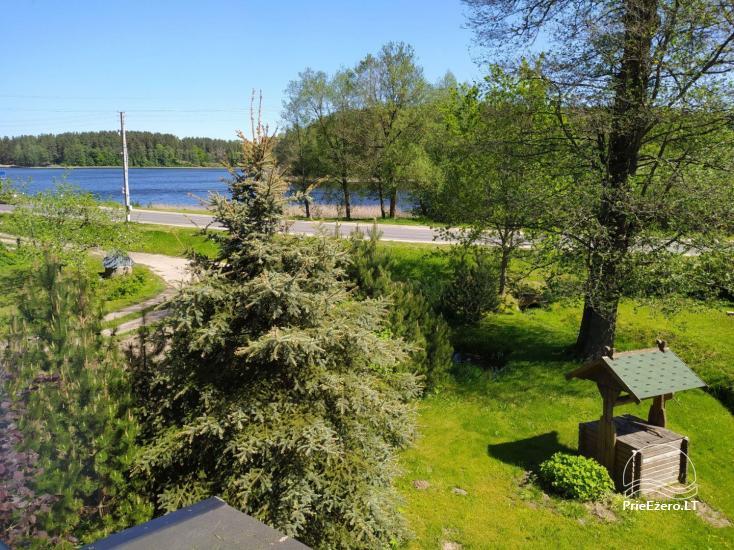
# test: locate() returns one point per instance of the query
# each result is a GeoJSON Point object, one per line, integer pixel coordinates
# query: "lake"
{"type": "Point", "coordinates": [154, 186]}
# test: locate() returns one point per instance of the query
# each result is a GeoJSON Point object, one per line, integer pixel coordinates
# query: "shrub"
{"type": "Point", "coordinates": [471, 289]}
{"type": "Point", "coordinates": [576, 477]}
{"type": "Point", "coordinates": [122, 287]}
{"type": "Point", "coordinates": [715, 275]}
{"type": "Point", "coordinates": [411, 316]}
{"type": "Point", "coordinates": [6, 191]}
{"type": "Point", "coordinates": [705, 277]}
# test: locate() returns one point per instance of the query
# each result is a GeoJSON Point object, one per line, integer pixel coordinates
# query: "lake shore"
{"type": "Point", "coordinates": [63, 167]}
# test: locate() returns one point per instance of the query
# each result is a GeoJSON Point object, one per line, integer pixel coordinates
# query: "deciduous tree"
{"type": "Point", "coordinates": [644, 97]}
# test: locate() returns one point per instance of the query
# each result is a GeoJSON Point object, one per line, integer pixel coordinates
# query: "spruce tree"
{"type": "Point", "coordinates": [276, 387]}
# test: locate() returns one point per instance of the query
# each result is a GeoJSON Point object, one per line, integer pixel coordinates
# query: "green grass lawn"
{"type": "Point", "coordinates": [482, 434]}
{"type": "Point", "coordinates": [172, 241]}
{"type": "Point", "coordinates": [115, 293]}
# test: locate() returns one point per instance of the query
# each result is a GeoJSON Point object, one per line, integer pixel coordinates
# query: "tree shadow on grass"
{"type": "Point", "coordinates": [528, 453]}
{"type": "Point", "coordinates": [517, 337]}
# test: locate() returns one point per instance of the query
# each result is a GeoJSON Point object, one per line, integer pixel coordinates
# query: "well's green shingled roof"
{"type": "Point", "coordinates": [648, 373]}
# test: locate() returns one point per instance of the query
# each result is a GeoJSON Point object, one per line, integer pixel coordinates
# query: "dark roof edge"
{"type": "Point", "coordinates": [157, 524]}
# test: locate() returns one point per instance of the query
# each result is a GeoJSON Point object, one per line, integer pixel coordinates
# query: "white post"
{"type": "Point", "coordinates": [125, 186]}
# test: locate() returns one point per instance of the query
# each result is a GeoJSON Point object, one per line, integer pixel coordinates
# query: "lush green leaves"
{"type": "Point", "coordinates": [66, 223]}
{"type": "Point", "coordinates": [576, 477]}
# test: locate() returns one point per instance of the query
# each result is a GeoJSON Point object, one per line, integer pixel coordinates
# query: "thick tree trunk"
{"type": "Point", "coordinates": [306, 198]}
{"type": "Point", "coordinates": [393, 201]}
{"type": "Point", "coordinates": [347, 200]}
{"type": "Point", "coordinates": [629, 124]}
{"type": "Point", "coordinates": [598, 327]}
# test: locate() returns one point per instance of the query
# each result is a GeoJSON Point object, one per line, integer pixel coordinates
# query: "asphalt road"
{"type": "Point", "coordinates": [399, 233]}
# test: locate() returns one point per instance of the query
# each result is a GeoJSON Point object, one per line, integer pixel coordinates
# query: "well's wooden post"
{"type": "Point", "coordinates": [656, 416]}
{"type": "Point", "coordinates": [607, 432]}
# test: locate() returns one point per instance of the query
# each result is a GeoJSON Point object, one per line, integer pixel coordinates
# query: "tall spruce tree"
{"type": "Point", "coordinates": [276, 387]}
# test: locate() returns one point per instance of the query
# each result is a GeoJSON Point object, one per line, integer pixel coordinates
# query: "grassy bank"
{"type": "Point", "coordinates": [171, 241]}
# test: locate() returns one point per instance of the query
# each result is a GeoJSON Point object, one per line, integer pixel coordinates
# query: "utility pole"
{"type": "Point", "coordinates": [125, 186]}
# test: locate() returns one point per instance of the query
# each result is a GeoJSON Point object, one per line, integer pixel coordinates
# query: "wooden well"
{"type": "Point", "coordinates": [646, 457]}
{"type": "Point", "coordinates": [642, 457]}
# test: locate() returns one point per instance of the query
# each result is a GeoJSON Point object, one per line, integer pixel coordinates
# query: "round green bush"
{"type": "Point", "coordinates": [576, 477]}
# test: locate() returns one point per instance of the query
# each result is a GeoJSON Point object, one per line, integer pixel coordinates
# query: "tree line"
{"type": "Point", "coordinates": [373, 123]}
{"type": "Point", "coordinates": [104, 149]}
{"type": "Point", "coordinates": [607, 154]}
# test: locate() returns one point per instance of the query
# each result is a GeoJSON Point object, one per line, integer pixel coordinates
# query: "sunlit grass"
{"type": "Point", "coordinates": [483, 433]}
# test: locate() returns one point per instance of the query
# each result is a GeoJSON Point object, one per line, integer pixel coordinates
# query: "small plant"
{"type": "Point", "coordinates": [6, 191]}
{"type": "Point", "coordinates": [575, 477]}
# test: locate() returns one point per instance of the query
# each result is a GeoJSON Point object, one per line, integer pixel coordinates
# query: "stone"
{"type": "Point", "coordinates": [421, 484]}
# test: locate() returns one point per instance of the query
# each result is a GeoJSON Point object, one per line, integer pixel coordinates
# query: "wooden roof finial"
{"type": "Point", "coordinates": [661, 344]}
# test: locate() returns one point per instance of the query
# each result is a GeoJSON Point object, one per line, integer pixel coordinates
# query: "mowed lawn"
{"type": "Point", "coordinates": [483, 435]}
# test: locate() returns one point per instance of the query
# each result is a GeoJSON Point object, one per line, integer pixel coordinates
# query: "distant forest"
{"type": "Point", "coordinates": [104, 149]}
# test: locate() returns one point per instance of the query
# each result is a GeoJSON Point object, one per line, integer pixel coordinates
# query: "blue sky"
{"type": "Point", "coordinates": [70, 65]}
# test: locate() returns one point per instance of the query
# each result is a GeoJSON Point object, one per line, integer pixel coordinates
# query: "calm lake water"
{"type": "Point", "coordinates": [153, 186]}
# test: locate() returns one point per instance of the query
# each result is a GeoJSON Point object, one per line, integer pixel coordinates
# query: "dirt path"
{"type": "Point", "coordinates": [172, 270]}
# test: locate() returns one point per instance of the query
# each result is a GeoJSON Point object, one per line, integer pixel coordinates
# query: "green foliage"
{"type": "Point", "coordinates": [274, 386]}
{"type": "Point", "coordinates": [6, 191]}
{"type": "Point", "coordinates": [471, 290]}
{"type": "Point", "coordinates": [66, 223]}
{"type": "Point", "coordinates": [103, 149]}
{"type": "Point", "coordinates": [120, 292]}
{"type": "Point", "coordinates": [73, 403]}
{"type": "Point", "coordinates": [411, 316]}
{"type": "Point", "coordinates": [708, 276]}
{"type": "Point", "coordinates": [715, 274]}
{"type": "Point", "coordinates": [576, 477]}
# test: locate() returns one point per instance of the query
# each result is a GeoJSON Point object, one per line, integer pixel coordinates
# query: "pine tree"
{"type": "Point", "coordinates": [411, 316]}
{"type": "Point", "coordinates": [64, 380]}
{"type": "Point", "coordinates": [275, 386]}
